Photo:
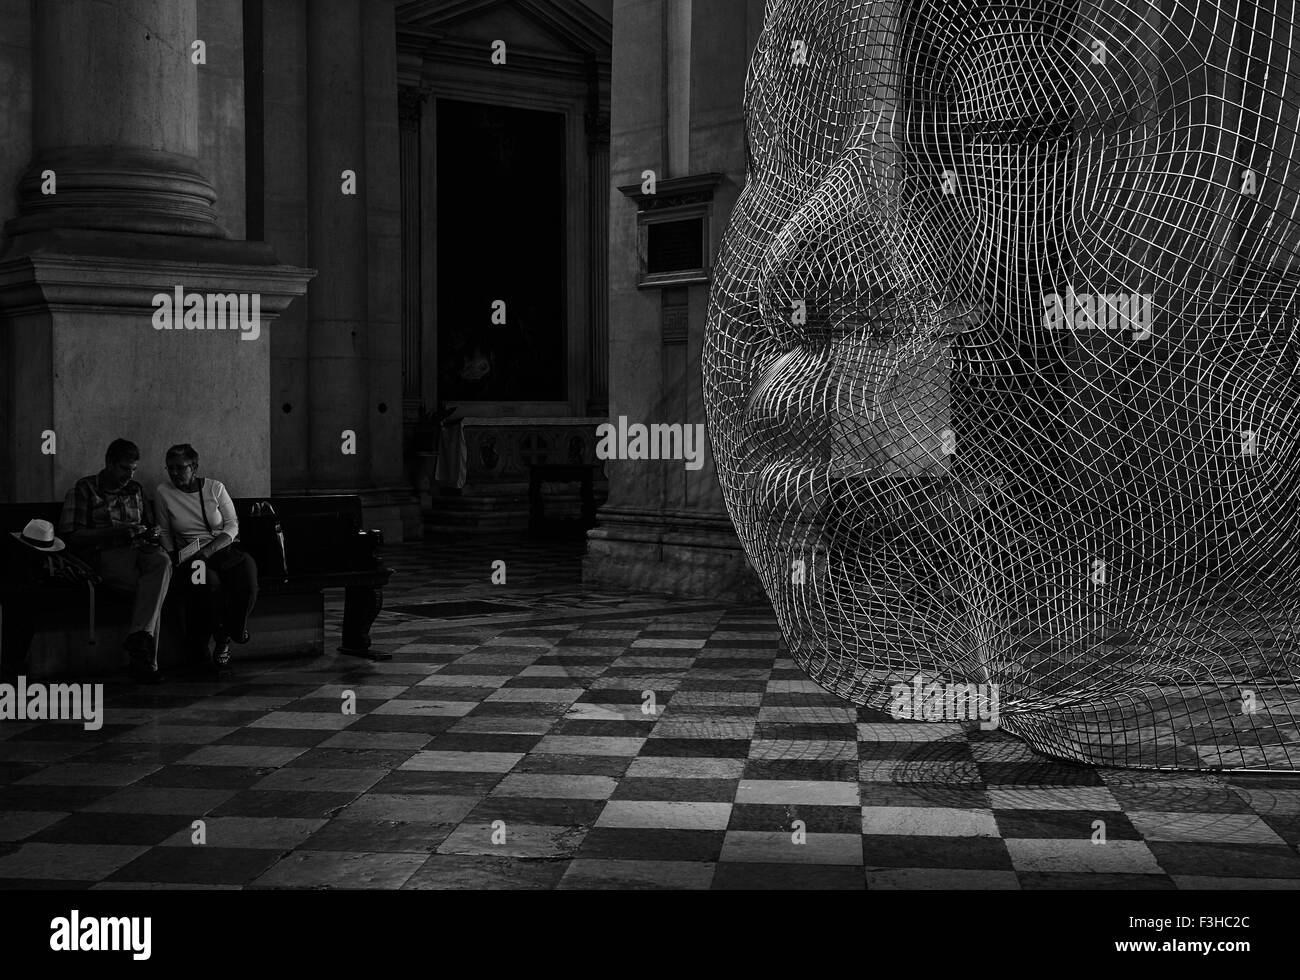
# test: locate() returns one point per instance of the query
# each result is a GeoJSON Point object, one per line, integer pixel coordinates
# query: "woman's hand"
{"type": "Point", "coordinates": [213, 546]}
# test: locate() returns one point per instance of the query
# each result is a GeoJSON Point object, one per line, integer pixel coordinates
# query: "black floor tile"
{"type": "Point", "coordinates": [387, 836]}
{"type": "Point", "coordinates": [538, 812]}
{"type": "Point", "coordinates": [292, 737]}
{"type": "Point", "coordinates": [890, 851]}
{"type": "Point", "coordinates": [821, 770]}
{"type": "Point", "coordinates": [746, 876]}
{"type": "Point", "coordinates": [52, 798]}
{"type": "Point", "coordinates": [198, 865]}
{"type": "Point", "coordinates": [697, 748]}
{"type": "Point", "coordinates": [1064, 881]}
{"type": "Point", "coordinates": [111, 828]}
{"type": "Point", "coordinates": [677, 790]}
{"type": "Point", "coordinates": [479, 742]}
{"type": "Point", "coordinates": [618, 729]}
{"type": "Point", "coordinates": [320, 758]}
{"type": "Point", "coordinates": [616, 843]}
{"type": "Point", "coordinates": [1227, 860]}
{"type": "Point", "coordinates": [1063, 824]}
{"type": "Point", "coordinates": [206, 777]}
{"type": "Point", "coordinates": [308, 804]}
{"type": "Point", "coordinates": [613, 766]}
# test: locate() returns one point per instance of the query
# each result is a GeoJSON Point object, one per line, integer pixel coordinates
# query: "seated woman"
{"type": "Point", "coordinates": [197, 523]}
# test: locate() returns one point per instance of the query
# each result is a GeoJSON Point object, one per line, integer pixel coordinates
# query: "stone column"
{"type": "Point", "coordinates": [83, 357]}
{"type": "Point", "coordinates": [390, 499]}
{"type": "Point", "coordinates": [677, 86]}
{"type": "Point", "coordinates": [354, 235]}
{"type": "Point", "coordinates": [410, 104]}
{"type": "Point", "coordinates": [598, 210]}
{"type": "Point", "coordinates": [115, 109]}
{"type": "Point", "coordinates": [678, 74]}
{"type": "Point", "coordinates": [337, 383]}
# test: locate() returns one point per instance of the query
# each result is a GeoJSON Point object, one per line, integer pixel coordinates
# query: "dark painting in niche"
{"type": "Point", "coordinates": [501, 239]}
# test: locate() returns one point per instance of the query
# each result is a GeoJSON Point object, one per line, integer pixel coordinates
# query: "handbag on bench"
{"type": "Point", "coordinates": [262, 534]}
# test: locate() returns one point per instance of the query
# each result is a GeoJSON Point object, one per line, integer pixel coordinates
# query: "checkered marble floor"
{"type": "Point", "coordinates": [589, 741]}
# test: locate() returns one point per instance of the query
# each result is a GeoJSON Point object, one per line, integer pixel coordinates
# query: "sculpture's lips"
{"type": "Point", "coordinates": [860, 408]}
{"type": "Point", "coordinates": [838, 499]}
{"type": "Point", "coordinates": [875, 566]}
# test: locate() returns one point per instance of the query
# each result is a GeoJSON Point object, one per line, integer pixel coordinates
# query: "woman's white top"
{"type": "Point", "coordinates": [180, 521]}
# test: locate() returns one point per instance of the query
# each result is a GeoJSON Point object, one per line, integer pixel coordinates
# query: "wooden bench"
{"type": "Point", "coordinates": [326, 547]}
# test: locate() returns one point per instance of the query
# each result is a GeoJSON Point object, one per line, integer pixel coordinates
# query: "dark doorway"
{"type": "Point", "coordinates": [501, 240]}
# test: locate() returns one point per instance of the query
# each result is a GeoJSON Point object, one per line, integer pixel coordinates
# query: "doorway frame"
{"type": "Point", "coordinates": [564, 94]}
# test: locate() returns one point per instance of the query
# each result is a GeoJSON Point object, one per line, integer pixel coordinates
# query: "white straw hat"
{"type": "Point", "coordinates": [39, 535]}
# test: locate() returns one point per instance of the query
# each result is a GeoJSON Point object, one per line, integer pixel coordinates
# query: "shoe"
{"type": "Point", "coordinates": [221, 654]}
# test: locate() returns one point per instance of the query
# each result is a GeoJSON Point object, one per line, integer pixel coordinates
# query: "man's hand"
{"type": "Point", "coordinates": [142, 535]}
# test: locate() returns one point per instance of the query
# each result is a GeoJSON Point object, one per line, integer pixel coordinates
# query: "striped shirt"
{"type": "Point", "coordinates": [89, 506]}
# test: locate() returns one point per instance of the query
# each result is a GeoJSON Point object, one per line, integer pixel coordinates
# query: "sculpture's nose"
{"type": "Point", "coordinates": [844, 261]}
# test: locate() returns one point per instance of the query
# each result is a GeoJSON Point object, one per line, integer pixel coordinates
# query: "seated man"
{"type": "Point", "coordinates": [31, 567]}
{"type": "Point", "coordinates": [107, 519]}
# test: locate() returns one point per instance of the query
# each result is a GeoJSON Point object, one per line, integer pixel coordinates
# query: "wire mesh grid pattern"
{"type": "Point", "coordinates": [1001, 365]}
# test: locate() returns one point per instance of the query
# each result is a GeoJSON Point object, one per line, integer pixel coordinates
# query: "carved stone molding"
{"type": "Point", "coordinates": [676, 324]}
{"type": "Point", "coordinates": [500, 452]}
{"type": "Point", "coordinates": [597, 129]}
{"type": "Point", "coordinates": [676, 192]}
{"type": "Point", "coordinates": [410, 107]}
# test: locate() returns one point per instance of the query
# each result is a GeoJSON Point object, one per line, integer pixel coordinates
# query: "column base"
{"type": "Point", "coordinates": [395, 511]}
{"type": "Point", "coordinates": [85, 360]}
{"type": "Point", "coordinates": [682, 554]}
{"type": "Point", "coordinates": [478, 510]}
{"type": "Point", "coordinates": [121, 190]}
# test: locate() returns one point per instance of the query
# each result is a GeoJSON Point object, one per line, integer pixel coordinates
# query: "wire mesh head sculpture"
{"type": "Point", "coordinates": [1001, 367]}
